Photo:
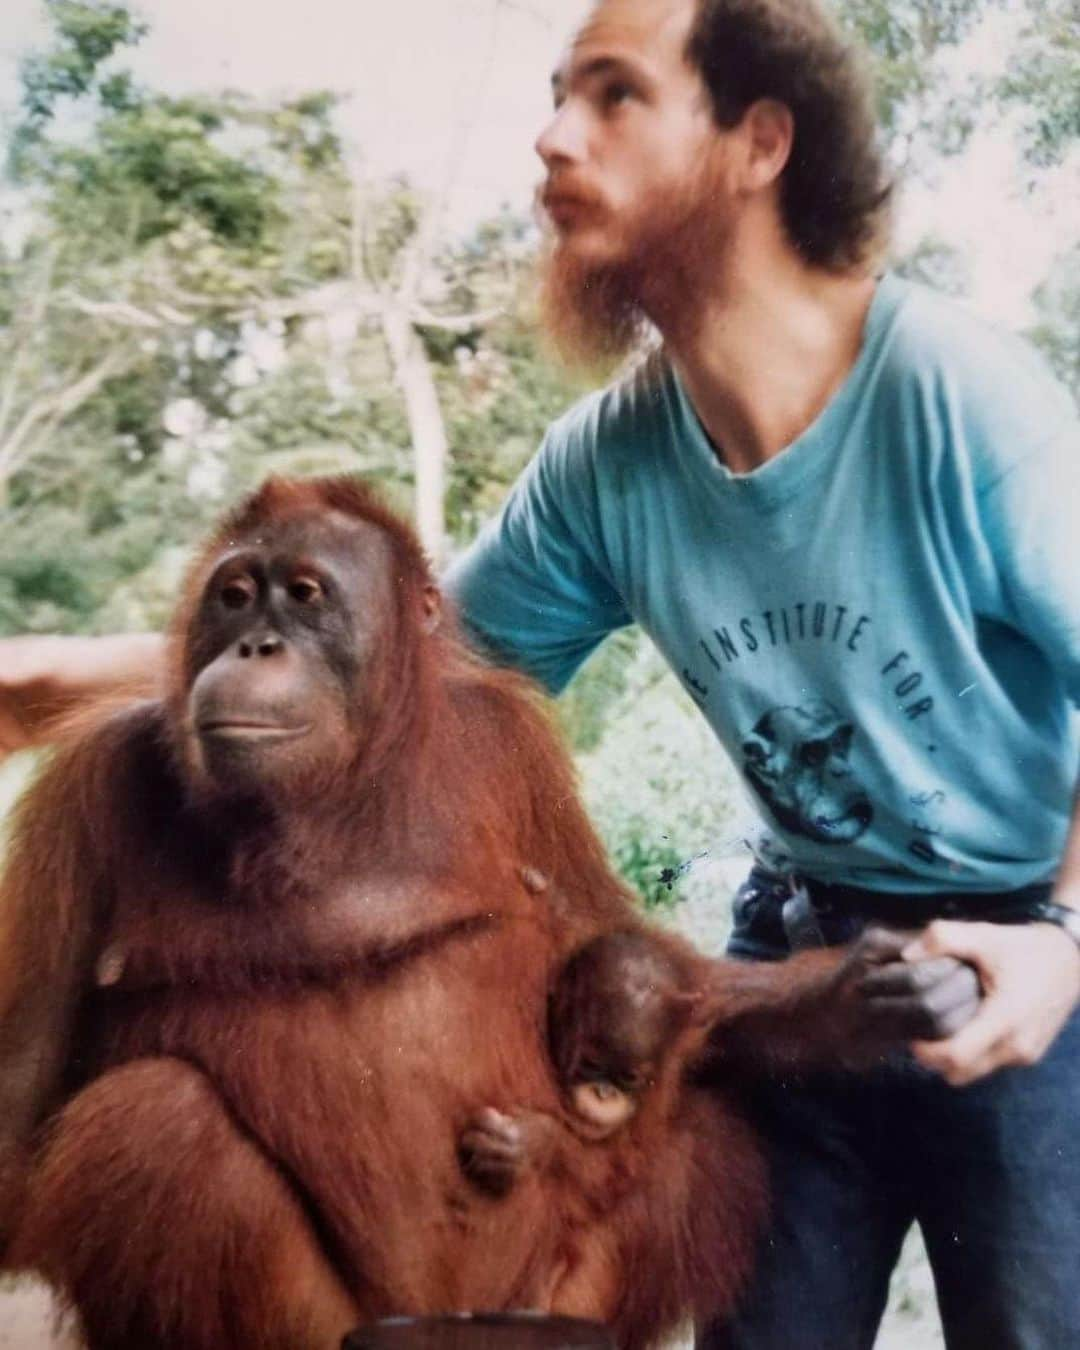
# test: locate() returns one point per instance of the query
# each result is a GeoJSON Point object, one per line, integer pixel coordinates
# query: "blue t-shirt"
{"type": "Point", "coordinates": [882, 623]}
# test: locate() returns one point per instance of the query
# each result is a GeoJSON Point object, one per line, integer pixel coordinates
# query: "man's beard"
{"type": "Point", "coordinates": [592, 313]}
{"type": "Point", "coordinates": [599, 314]}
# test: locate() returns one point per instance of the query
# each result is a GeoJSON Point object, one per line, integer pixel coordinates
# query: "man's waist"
{"type": "Point", "coordinates": [913, 910]}
{"type": "Point", "coordinates": [779, 913]}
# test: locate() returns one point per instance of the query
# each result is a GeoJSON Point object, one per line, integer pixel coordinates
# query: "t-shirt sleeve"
{"type": "Point", "coordinates": [533, 588]}
{"type": "Point", "coordinates": [1031, 523]}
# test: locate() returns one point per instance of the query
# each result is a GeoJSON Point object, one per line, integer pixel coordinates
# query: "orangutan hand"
{"type": "Point", "coordinates": [907, 1000]}
{"type": "Point", "coordinates": [1030, 978]}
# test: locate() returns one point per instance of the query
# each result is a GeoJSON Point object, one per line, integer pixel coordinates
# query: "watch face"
{"type": "Point", "coordinates": [1064, 916]}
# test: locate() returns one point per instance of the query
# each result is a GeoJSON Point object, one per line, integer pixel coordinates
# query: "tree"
{"type": "Point", "coordinates": [905, 41]}
{"type": "Point", "coordinates": [162, 240]}
{"type": "Point", "coordinates": [1044, 80]}
{"type": "Point", "coordinates": [411, 285]}
{"type": "Point", "coordinates": [1057, 329]}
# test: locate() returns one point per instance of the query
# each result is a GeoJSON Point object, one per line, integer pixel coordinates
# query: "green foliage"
{"type": "Point", "coordinates": [85, 34]}
{"type": "Point", "coordinates": [293, 415]}
{"type": "Point", "coordinates": [499, 396]}
{"type": "Point", "coordinates": [393, 217]}
{"type": "Point", "coordinates": [156, 163]}
{"type": "Point", "coordinates": [1044, 79]}
{"type": "Point", "coordinates": [1057, 331]}
{"type": "Point", "coordinates": [657, 786]}
{"type": "Point", "coordinates": [594, 696]}
{"type": "Point", "coordinates": [903, 40]}
{"type": "Point", "coordinates": [74, 534]}
{"type": "Point", "coordinates": [937, 264]}
{"type": "Point", "coordinates": [162, 229]}
{"type": "Point", "coordinates": [303, 130]}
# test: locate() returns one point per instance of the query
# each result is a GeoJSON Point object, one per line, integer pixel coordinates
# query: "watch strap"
{"type": "Point", "coordinates": [1047, 911]}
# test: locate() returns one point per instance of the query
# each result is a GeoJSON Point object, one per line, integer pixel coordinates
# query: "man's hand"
{"type": "Point", "coordinates": [911, 998]}
{"type": "Point", "coordinates": [1030, 978]}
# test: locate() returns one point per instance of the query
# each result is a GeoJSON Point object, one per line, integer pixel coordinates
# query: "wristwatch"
{"type": "Point", "coordinates": [1062, 916]}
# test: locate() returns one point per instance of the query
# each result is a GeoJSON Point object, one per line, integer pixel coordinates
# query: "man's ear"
{"type": "Point", "coordinates": [769, 131]}
{"type": "Point", "coordinates": [430, 609]}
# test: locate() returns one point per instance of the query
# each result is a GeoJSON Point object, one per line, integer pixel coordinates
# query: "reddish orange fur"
{"type": "Point", "coordinates": [246, 1136]}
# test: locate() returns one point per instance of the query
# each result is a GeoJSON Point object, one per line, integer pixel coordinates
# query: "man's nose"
{"type": "Point", "coordinates": [564, 140]}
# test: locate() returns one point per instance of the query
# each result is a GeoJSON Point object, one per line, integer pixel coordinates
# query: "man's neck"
{"type": "Point", "coordinates": [763, 351]}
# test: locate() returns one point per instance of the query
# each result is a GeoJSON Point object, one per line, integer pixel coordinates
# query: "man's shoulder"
{"type": "Point", "coordinates": [980, 387]}
{"type": "Point", "coordinates": [943, 345]}
{"type": "Point", "coordinates": [624, 418]}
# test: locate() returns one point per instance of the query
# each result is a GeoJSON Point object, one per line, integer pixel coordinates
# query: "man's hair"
{"type": "Point", "coordinates": [834, 191]}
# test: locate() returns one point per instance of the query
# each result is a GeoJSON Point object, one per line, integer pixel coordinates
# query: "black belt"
{"type": "Point", "coordinates": [834, 899]}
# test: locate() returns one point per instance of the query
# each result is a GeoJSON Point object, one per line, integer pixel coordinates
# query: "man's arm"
{"type": "Point", "coordinates": [534, 588]}
{"type": "Point", "coordinates": [42, 679]}
{"type": "Point", "coordinates": [1028, 455]}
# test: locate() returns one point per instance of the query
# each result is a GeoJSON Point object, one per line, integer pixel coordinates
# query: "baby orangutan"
{"type": "Point", "coordinates": [625, 1018]}
{"type": "Point", "coordinates": [630, 1012]}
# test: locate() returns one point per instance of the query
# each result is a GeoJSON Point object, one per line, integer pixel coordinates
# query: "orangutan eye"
{"type": "Point", "coordinates": [305, 590]}
{"type": "Point", "coordinates": [238, 593]}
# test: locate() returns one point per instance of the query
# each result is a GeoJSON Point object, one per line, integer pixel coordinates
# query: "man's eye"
{"type": "Point", "coordinates": [615, 94]}
{"type": "Point", "coordinates": [305, 590]}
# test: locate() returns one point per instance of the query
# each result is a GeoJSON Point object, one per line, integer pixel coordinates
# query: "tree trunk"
{"type": "Point", "coordinates": [427, 430]}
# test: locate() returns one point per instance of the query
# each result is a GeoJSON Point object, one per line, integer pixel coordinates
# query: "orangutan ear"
{"type": "Point", "coordinates": [430, 609]}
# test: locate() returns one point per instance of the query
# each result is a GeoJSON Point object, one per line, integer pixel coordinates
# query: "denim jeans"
{"type": "Point", "coordinates": [990, 1172]}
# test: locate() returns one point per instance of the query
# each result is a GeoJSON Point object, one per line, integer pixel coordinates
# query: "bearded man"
{"type": "Point", "coordinates": [841, 508]}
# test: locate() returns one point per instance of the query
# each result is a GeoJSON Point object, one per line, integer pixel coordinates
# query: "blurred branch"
{"type": "Point", "coordinates": [46, 413]}
{"type": "Point", "coordinates": [456, 323]}
{"type": "Point", "coordinates": [25, 332]}
{"type": "Point", "coordinates": [124, 314]}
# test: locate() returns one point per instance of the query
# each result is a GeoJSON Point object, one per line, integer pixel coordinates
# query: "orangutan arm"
{"type": "Point", "coordinates": [44, 678]}
{"type": "Point", "coordinates": [49, 905]}
{"type": "Point", "coordinates": [831, 1008]}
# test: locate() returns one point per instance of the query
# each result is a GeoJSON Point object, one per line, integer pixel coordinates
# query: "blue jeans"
{"type": "Point", "coordinates": [991, 1173]}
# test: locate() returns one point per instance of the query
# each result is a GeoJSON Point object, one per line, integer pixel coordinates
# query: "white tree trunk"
{"type": "Point", "coordinates": [427, 431]}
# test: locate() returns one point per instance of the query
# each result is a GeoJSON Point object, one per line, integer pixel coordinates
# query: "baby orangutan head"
{"type": "Point", "coordinates": [615, 1012]}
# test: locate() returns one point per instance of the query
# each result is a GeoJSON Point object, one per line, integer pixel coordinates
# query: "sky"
{"type": "Point", "coordinates": [435, 83]}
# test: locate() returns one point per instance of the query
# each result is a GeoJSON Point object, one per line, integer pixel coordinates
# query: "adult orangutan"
{"type": "Point", "coordinates": [270, 944]}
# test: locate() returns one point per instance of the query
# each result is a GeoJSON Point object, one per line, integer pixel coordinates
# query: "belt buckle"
{"type": "Point", "coordinates": [802, 927]}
